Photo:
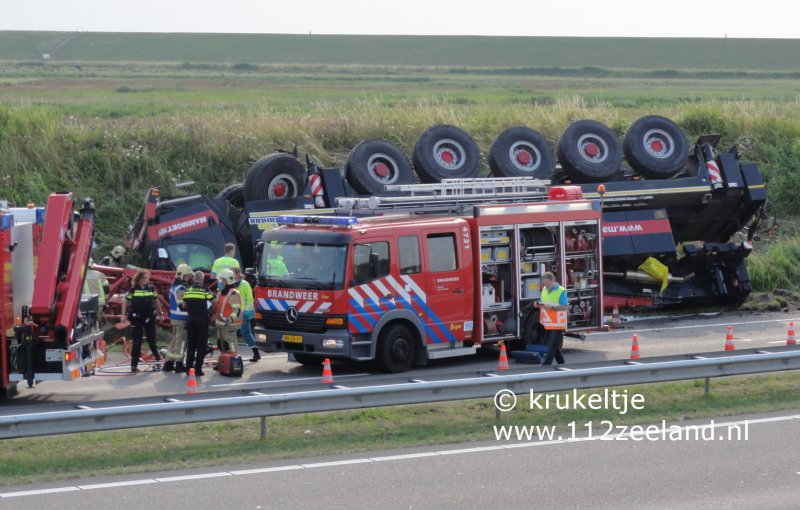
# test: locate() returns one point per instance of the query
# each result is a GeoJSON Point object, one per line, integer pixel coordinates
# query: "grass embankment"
{"type": "Point", "coordinates": [115, 160]}
{"type": "Point", "coordinates": [236, 442]}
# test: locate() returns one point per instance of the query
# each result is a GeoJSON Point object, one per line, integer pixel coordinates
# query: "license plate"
{"type": "Point", "coordinates": [295, 339]}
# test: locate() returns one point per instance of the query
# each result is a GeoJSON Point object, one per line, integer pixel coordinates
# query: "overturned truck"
{"type": "Point", "coordinates": [670, 209]}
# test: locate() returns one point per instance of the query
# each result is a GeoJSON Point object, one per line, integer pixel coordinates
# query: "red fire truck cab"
{"type": "Point", "coordinates": [403, 288]}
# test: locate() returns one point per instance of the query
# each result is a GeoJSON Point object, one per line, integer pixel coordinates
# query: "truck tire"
{"type": "Point", "coordinates": [275, 176]}
{"type": "Point", "coordinates": [656, 147]}
{"type": "Point", "coordinates": [233, 194]}
{"type": "Point", "coordinates": [396, 348]}
{"type": "Point", "coordinates": [372, 164]}
{"type": "Point", "coordinates": [446, 152]}
{"type": "Point", "coordinates": [520, 151]}
{"type": "Point", "coordinates": [589, 151]}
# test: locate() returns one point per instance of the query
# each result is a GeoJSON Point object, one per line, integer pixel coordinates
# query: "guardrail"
{"type": "Point", "coordinates": [255, 404]}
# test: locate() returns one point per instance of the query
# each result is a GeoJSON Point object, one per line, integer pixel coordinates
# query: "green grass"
{"type": "Point", "coordinates": [449, 51]}
{"type": "Point", "coordinates": [234, 442]}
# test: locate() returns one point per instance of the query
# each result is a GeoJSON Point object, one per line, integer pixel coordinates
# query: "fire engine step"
{"type": "Point", "coordinates": [450, 353]}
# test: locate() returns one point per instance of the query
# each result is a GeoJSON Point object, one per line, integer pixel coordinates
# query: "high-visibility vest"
{"type": "Point", "coordinates": [176, 314]}
{"type": "Point", "coordinates": [549, 318]}
{"type": "Point", "coordinates": [94, 283]}
{"type": "Point", "coordinates": [246, 292]}
{"type": "Point", "coordinates": [227, 309]}
{"type": "Point", "coordinates": [223, 263]}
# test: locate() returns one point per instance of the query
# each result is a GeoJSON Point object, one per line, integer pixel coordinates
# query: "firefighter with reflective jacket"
{"type": "Point", "coordinates": [553, 307]}
{"type": "Point", "coordinates": [227, 261]}
{"type": "Point", "coordinates": [248, 312]}
{"type": "Point", "coordinates": [176, 350]}
{"type": "Point", "coordinates": [197, 300]}
{"type": "Point", "coordinates": [141, 305]}
{"type": "Point", "coordinates": [228, 312]}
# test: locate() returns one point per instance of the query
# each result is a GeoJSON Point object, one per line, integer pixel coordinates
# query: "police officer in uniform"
{"type": "Point", "coordinates": [196, 301]}
{"type": "Point", "coordinates": [140, 305]}
{"type": "Point", "coordinates": [174, 353]}
{"type": "Point", "coordinates": [553, 317]}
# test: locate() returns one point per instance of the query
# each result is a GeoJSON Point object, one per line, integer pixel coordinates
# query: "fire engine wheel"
{"type": "Point", "coordinates": [446, 152]}
{"type": "Point", "coordinates": [396, 348]}
{"type": "Point", "coordinates": [276, 176]}
{"type": "Point", "coordinates": [307, 360]}
{"type": "Point", "coordinates": [520, 151]}
{"type": "Point", "coordinates": [372, 164]}
{"type": "Point", "coordinates": [589, 151]}
{"type": "Point", "coordinates": [656, 147]}
{"type": "Point", "coordinates": [233, 194]}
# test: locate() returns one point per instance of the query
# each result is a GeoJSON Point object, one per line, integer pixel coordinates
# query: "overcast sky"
{"type": "Point", "coordinates": [635, 18]}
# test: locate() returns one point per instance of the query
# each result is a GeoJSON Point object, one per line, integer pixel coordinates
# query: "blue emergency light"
{"type": "Point", "coordinates": [343, 221]}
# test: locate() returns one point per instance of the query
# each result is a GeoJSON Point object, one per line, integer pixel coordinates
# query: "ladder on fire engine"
{"type": "Point", "coordinates": [451, 195]}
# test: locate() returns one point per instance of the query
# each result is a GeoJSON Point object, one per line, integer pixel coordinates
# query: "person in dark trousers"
{"type": "Point", "coordinates": [196, 300]}
{"type": "Point", "coordinates": [553, 307]}
{"type": "Point", "coordinates": [140, 306]}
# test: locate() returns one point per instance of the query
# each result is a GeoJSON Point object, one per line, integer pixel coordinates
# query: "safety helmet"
{"type": "Point", "coordinates": [227, 277]}
{"type": "Point", "coordinates": [183, 271]}
{"type": "Point", "coordinates": [118, 252]}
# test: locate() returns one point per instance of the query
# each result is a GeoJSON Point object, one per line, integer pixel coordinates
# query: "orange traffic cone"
{"type": "Point", "coordinates": [635, 348]}
{"type": "Point", "coordinates": [790, 340]}
{"type": "Point", "coordinates": [729, 340]}
{"type": "Point", "coordinates": [615, 321]}
{"type": "Point", "coordinates": [191, 384]}
{"type": "Point", "coordinates": [503, 365]}
{"type": "Point", "coordinates": [327, 375]}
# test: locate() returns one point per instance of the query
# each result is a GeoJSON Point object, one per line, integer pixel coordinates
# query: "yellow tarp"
{"type": "Point", "coordinates": [657, 270]}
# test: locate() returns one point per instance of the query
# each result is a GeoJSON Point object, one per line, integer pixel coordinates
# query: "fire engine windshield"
{"type": "Point", "coordinates": [304, 265]}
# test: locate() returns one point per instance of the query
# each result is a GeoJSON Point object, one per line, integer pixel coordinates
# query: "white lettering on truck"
{"type": "Point", "coordinates": [292, 294]}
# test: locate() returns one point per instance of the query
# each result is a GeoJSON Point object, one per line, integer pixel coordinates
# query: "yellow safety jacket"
{"type": "Point", "coordinates": [548, 317]}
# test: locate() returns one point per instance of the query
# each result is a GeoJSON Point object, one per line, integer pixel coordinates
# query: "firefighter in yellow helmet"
{"type": "Point", "coordinates": [115, 259]}
{"type": "Point", "coordinates": [178, 315]}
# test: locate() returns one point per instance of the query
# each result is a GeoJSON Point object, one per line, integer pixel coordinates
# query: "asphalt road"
{"type": "Point", "coordinates": [758, 471]}
{"type": "Point", "coordinates": [657, 337]}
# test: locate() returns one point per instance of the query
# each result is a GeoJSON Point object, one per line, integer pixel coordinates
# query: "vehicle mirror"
{"type": "Point", "coordinates": [259, 254]}
{"type": "Point", "coordinates": [162, 254]}
{"type": "Point", "coordinates": [374, 259]}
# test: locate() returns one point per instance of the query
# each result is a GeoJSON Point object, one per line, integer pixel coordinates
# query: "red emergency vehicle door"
{"type": "Point", "coordinates": [449, 289]}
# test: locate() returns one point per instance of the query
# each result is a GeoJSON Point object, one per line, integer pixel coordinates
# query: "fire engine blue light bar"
{"type": "Point", "coordinates": [6, 221]}
{"type": "Point", "coordinates": [318, 220]}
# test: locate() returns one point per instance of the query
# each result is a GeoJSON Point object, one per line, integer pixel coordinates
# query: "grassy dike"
{"type": "Point", "coordinates": [236, 442]}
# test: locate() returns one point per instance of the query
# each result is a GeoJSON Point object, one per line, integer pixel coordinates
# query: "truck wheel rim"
{"type": "Point", "coordinates": [592, 148]}
{"type": "Point", "coordinates": [525, 156]}
{"type": "Point", "coordinates": [449, 154]}
{"type": "Point", "coordinates": [282, 186]}
{"type": "Point", "coordinates": [658, 143]}
{"type": "Point", "coordinates": [383, 168]}
{"type": "Point", "coordinates": [401, 349]}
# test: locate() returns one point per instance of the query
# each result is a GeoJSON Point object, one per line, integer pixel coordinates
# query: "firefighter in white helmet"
{"type": "Point", "coordinates": [228, 311]}
{"type": "Point", "coordinates": [178, 315]}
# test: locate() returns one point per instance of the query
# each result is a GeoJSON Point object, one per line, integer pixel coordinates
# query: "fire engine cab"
{"type": "Point", "coordinates": [437, 274]}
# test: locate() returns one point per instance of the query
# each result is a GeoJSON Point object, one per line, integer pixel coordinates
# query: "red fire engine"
{"type": "Point", "coordinates": [404, 287]}
{"type": "Point", "coordinates": [48, 329]}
